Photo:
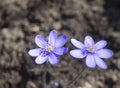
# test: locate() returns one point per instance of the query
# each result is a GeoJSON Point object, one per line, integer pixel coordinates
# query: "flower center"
{"type": "Point", "coordinates": [49, 48]}
{"type": "Point", "coordinates": [91, 49]}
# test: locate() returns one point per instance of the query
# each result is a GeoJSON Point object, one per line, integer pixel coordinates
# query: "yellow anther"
{"type": "Point", "coordinates": [91, 49]}
{"type": "Point", "coordinates": [49, 48]}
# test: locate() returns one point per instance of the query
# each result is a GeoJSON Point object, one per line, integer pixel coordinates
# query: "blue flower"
{"type": "Point", "coordinates": [94, 53]}
{"type": "Point", "coordinates": [50, 50]}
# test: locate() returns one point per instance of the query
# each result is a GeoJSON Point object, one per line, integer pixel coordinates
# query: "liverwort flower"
{"type": "Point", "coordinates": [50, 50]}
{"type": "Point", "coordinates": [94, 52]}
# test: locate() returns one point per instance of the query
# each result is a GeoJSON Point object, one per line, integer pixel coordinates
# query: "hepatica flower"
{"type": "Point", "coordinates": [94, 52]}
{"type": "Point", "coordinates": [50, 50]}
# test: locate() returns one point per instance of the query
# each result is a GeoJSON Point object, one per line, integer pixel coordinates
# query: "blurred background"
{"type": "Point", "coordinates": [21, 20]}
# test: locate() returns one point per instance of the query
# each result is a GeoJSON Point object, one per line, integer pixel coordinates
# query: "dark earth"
{"type": "Point", "coordinates": [22, 20]}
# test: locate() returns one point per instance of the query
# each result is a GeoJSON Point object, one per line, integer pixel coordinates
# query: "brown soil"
{"type": "Point", "coordinates": [21, 20]}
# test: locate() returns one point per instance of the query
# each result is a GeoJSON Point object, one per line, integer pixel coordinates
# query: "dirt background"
{"type": "Point", "coordinates": [21, 20]}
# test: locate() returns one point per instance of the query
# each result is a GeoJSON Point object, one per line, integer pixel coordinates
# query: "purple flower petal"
{"type": "Point", "coordinates": [61, 41]}
{"type": "Point", "coordinates": [77, 53]}
{"type": "Point", "coordinates": [40, 41]}
{"type": "Point", "coordinates": [101, 44]}
{"type": "Point", "coordinates": [53, 59]}
{"type": "Point", "coordinates": [40, 59]}
{"type": "Point", "coordinates": [60, 51]}
{"type": "Point", "coordinates": [100, 62]}
{"type": "Point", "coordinates": [105, 53]}
{"type": "Point", "coordinates": [90, 61]}
{"type": "Point", "coordinates": [52, 37]}
{"type": "Point", "coordinates": [77, 43]}
{"type": "Point", "coordinates": [89, 41]}
{"type": "Point", "coordinates": [34, 52]}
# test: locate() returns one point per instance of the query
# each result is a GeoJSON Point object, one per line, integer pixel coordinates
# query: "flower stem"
{"type": "Point", "coordinates": [76, 78]}
{"type": "Point", "coordinates": [44, 75]}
